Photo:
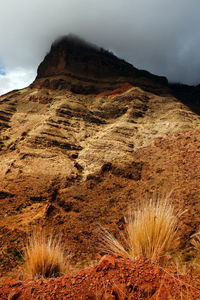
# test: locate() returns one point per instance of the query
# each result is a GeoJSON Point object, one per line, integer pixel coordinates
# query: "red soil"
{"type": "Point", "coordinates": [116, 92]}
{"type": "Point", "coordinates": [111, 278]}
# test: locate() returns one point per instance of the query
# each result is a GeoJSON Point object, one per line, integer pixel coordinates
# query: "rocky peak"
{"type": "Point", "coordinates": [71, 54]}
{"type": "Point", "coordinates": [73, 59]}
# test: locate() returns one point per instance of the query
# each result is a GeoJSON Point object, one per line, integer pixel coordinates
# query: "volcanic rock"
{"type": "Point", "coordinates": [84, 68]}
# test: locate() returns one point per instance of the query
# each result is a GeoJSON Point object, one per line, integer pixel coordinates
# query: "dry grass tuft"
{"type": "Point", "coordinates": [44, 256]}
{"type": "Point", "coordinates": [151, 232]}
{"type": "Point", "coordinates": [196, 242]}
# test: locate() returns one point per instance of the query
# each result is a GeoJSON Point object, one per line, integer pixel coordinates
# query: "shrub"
{"type": "Point", "coordinates": [44, 256]}
{"type": "Point", "coordinates": [151, 232]}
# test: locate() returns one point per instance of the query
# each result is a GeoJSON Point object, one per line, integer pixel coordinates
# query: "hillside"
{"type": "Point", "coordinates": [90, 136]}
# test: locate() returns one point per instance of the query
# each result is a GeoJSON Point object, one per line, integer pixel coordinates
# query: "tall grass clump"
{"type": "Point", "coordinates": [195, 241]}
{"type": "Point", "coordinates": [151, 232]}
{"type": "Point", "coordinates": [44, 256]}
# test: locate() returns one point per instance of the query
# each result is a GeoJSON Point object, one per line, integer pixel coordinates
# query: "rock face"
{"type": "Point", "coordinates": [72, 55]}
{"type": "Point", "coordinates": [91, 135]}
{"type": "Point", "coordinates": [85, 68]}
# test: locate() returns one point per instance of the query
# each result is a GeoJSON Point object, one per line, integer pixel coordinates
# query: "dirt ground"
{"type": "Point", "coordinates": [111, 278]}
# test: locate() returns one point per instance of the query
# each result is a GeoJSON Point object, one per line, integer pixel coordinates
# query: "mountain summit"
{"type": "Point", "coordinates": [75, 64]}
{"type": "Point", "coordinates": [72, 55]}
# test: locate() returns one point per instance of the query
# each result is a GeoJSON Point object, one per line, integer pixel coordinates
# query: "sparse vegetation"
{"type": "Point", "coordinates": [44, 256]}
{"type": "Point", "coordinates": [195, 241]}
{"type": "Point", "coordinates": [151, 232]}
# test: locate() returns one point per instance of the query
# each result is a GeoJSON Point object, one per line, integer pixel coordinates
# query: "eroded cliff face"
{"type": "Point", "coordinates": [76, 65]}
{"type": "Point", "coordinates": [71, 161]}
{"type": "Point", "coordinates": [72, 55]}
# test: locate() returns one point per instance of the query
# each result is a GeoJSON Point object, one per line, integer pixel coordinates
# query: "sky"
{"type": "Point", "coordinates": [161, 36]}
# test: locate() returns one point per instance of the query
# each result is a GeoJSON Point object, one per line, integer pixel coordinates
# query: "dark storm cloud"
{"type": "Point", "coordinates": [161, 36]}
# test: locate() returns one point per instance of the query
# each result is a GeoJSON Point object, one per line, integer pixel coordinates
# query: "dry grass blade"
{"type": "Point", "coordinates": [196, 241]}
{"type": "Point", "coordinates": [44, 256]}
{"type": "Point", "coordinates": [151, 231]}
{"type": "Point", "coordinates": [111, 245]}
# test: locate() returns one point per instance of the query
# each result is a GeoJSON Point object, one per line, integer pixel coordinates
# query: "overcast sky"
{"type": "Point", "coordinates": [161, 36]}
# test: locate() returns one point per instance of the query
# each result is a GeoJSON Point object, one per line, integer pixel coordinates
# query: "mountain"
{"type": "Point", "coordinates": [80, 67]}
{"type": "Point", "coordinates": [90, 136]}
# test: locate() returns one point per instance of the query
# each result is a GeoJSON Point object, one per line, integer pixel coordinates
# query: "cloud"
{"type": "Point", "coordinates": [161, 36]}
{"type": "Point", "coordinates": [2, 73]}
{"type": "Point", "coordinates": [16, 79]}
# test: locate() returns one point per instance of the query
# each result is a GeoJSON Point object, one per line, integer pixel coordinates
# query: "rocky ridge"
{"type": "Point", "coordinates": [84, 68]}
